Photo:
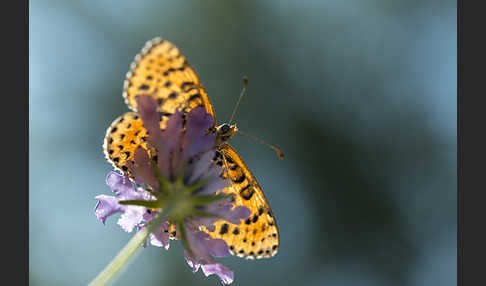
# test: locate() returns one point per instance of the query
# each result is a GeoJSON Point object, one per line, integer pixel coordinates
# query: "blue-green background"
{"type": "Point", "coordinates": [359, 94]}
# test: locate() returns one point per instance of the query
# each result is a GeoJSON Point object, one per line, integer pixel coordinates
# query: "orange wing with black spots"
{"type": "Point", "coordinates": [161, 71]}
{"type": "Point", "coordinates": [258, 236]}
{"type": "Point", "coordinates": [123, 136]}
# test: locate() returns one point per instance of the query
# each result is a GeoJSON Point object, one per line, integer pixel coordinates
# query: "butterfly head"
{"type": "Point", "coordinates": [225, 132]}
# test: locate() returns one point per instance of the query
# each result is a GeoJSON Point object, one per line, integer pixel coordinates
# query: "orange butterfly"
{"type": "Point", "coordinates": [163, 72]}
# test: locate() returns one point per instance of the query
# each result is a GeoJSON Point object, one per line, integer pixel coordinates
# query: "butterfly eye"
{"type": "Point", "coordinates": [225, 128]}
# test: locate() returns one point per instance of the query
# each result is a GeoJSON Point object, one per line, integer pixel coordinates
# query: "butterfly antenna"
{"type": "Point", "coordinates": [279, 153]}
{"type": "Point", "coordinates": [243, 91]}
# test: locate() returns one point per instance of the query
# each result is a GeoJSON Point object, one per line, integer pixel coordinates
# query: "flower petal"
{"type": "Point", "coordinates": [160, 237]}
{"type": "Point", "coordinates": [196, 241]}
{"type": "Point", "coordinates": [205, 221]}
{"type": "Point", "coordinates": [106, 206]}
{"type": "Point", "coordinates": [217, 247]}
{"type": "Point", "coordinates": [224, 273]}
{"type": "Point", "coordinates": [203, 246]}
{"type": "Point", "coordinates": [171, 138]}
{"type": "Point", "coordinates": [199, 167]}
{"type": "Point", "coordinates": [143, 170]}
{"type": "Point", "coordinates": [210, 267]}
{"type": "Point", "coordinates": [231, 215]}
{"type": "Point", "coordinates": [132, 216]}
{"type": "Point", "coordinates": [119, 184]}
{"type": "Point", "coordinates": [147, 109]}
{"type": "Point", "coordinates": [195, 139]}
{"type": "Point", "coordinates": [191, 262]}
{"type": "Point", "coordinates": [237, 214]}
{"type": "Point", "coordinates": [214, 185]}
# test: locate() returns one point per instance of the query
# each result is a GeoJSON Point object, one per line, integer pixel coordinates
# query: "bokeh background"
{"type": "Point", "coordinates": [360, 96]}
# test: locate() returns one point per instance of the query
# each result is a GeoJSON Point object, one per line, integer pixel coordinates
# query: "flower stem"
{"type": "Point", "coordinates": [127, 252]}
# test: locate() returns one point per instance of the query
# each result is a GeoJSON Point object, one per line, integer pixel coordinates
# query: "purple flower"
{"type": "Point", "coordinates": [202, 248]}
{"type": "Point", "coordinates": [182, 180]}
{"type": "Point", "coordinates": [132, 215]}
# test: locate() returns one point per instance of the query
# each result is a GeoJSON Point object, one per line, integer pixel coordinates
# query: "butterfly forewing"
{"type": "Point", "coordinates": [161, 71]}
{"type": "Point", "coordinates": [258, 236]}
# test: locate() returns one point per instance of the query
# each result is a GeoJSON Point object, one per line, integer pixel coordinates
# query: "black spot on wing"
{"type": "Point", "coordinates": [194, 97]}
{"type": "Point", "coordinates": [240, 179]}
{"type": "Point", "coordinates": [246, 192]}
{"type": "Point", "coordinates": [224, 229]}
{"type": "Point", "coordinates": [143, 87]}
{"type": "Point", "coordinates": [255, 219]}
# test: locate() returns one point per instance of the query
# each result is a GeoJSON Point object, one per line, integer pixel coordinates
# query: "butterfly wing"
{"type": "Point", "coordinates": [161, 71]}
{"type": "Point", "coordinates": [258, 236]}
{"type": "Point", "coordinates": [123, 136]}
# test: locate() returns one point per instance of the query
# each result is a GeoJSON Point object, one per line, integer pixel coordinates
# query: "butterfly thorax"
{"type": "Point", "coordinates": [225, 132]}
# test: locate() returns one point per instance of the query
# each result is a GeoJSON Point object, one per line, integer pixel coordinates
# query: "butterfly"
{"type": "Point", "coordinates": [161, 71]}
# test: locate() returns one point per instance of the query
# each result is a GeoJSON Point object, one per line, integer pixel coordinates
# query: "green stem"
{"type": "Point", "coordinates": [127, 252]}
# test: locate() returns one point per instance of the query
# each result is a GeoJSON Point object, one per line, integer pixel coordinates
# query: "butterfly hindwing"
{"type": "Point", "coordinates": [123, 136]}
{"type": "Point", "coordinates": [258, 236]}
{"type": "Point", "coordinates": [161, 71]}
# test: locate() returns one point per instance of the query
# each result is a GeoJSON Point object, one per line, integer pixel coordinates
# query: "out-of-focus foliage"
{"type": "Point", "coordinates": [360, 96]}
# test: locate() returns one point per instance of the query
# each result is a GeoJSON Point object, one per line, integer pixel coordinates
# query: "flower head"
{"type": "Point", "coordinates": [180, 185]}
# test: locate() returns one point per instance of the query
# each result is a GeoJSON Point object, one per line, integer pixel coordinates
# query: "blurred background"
{"type": "Point", "coordinates": [359, 95]}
